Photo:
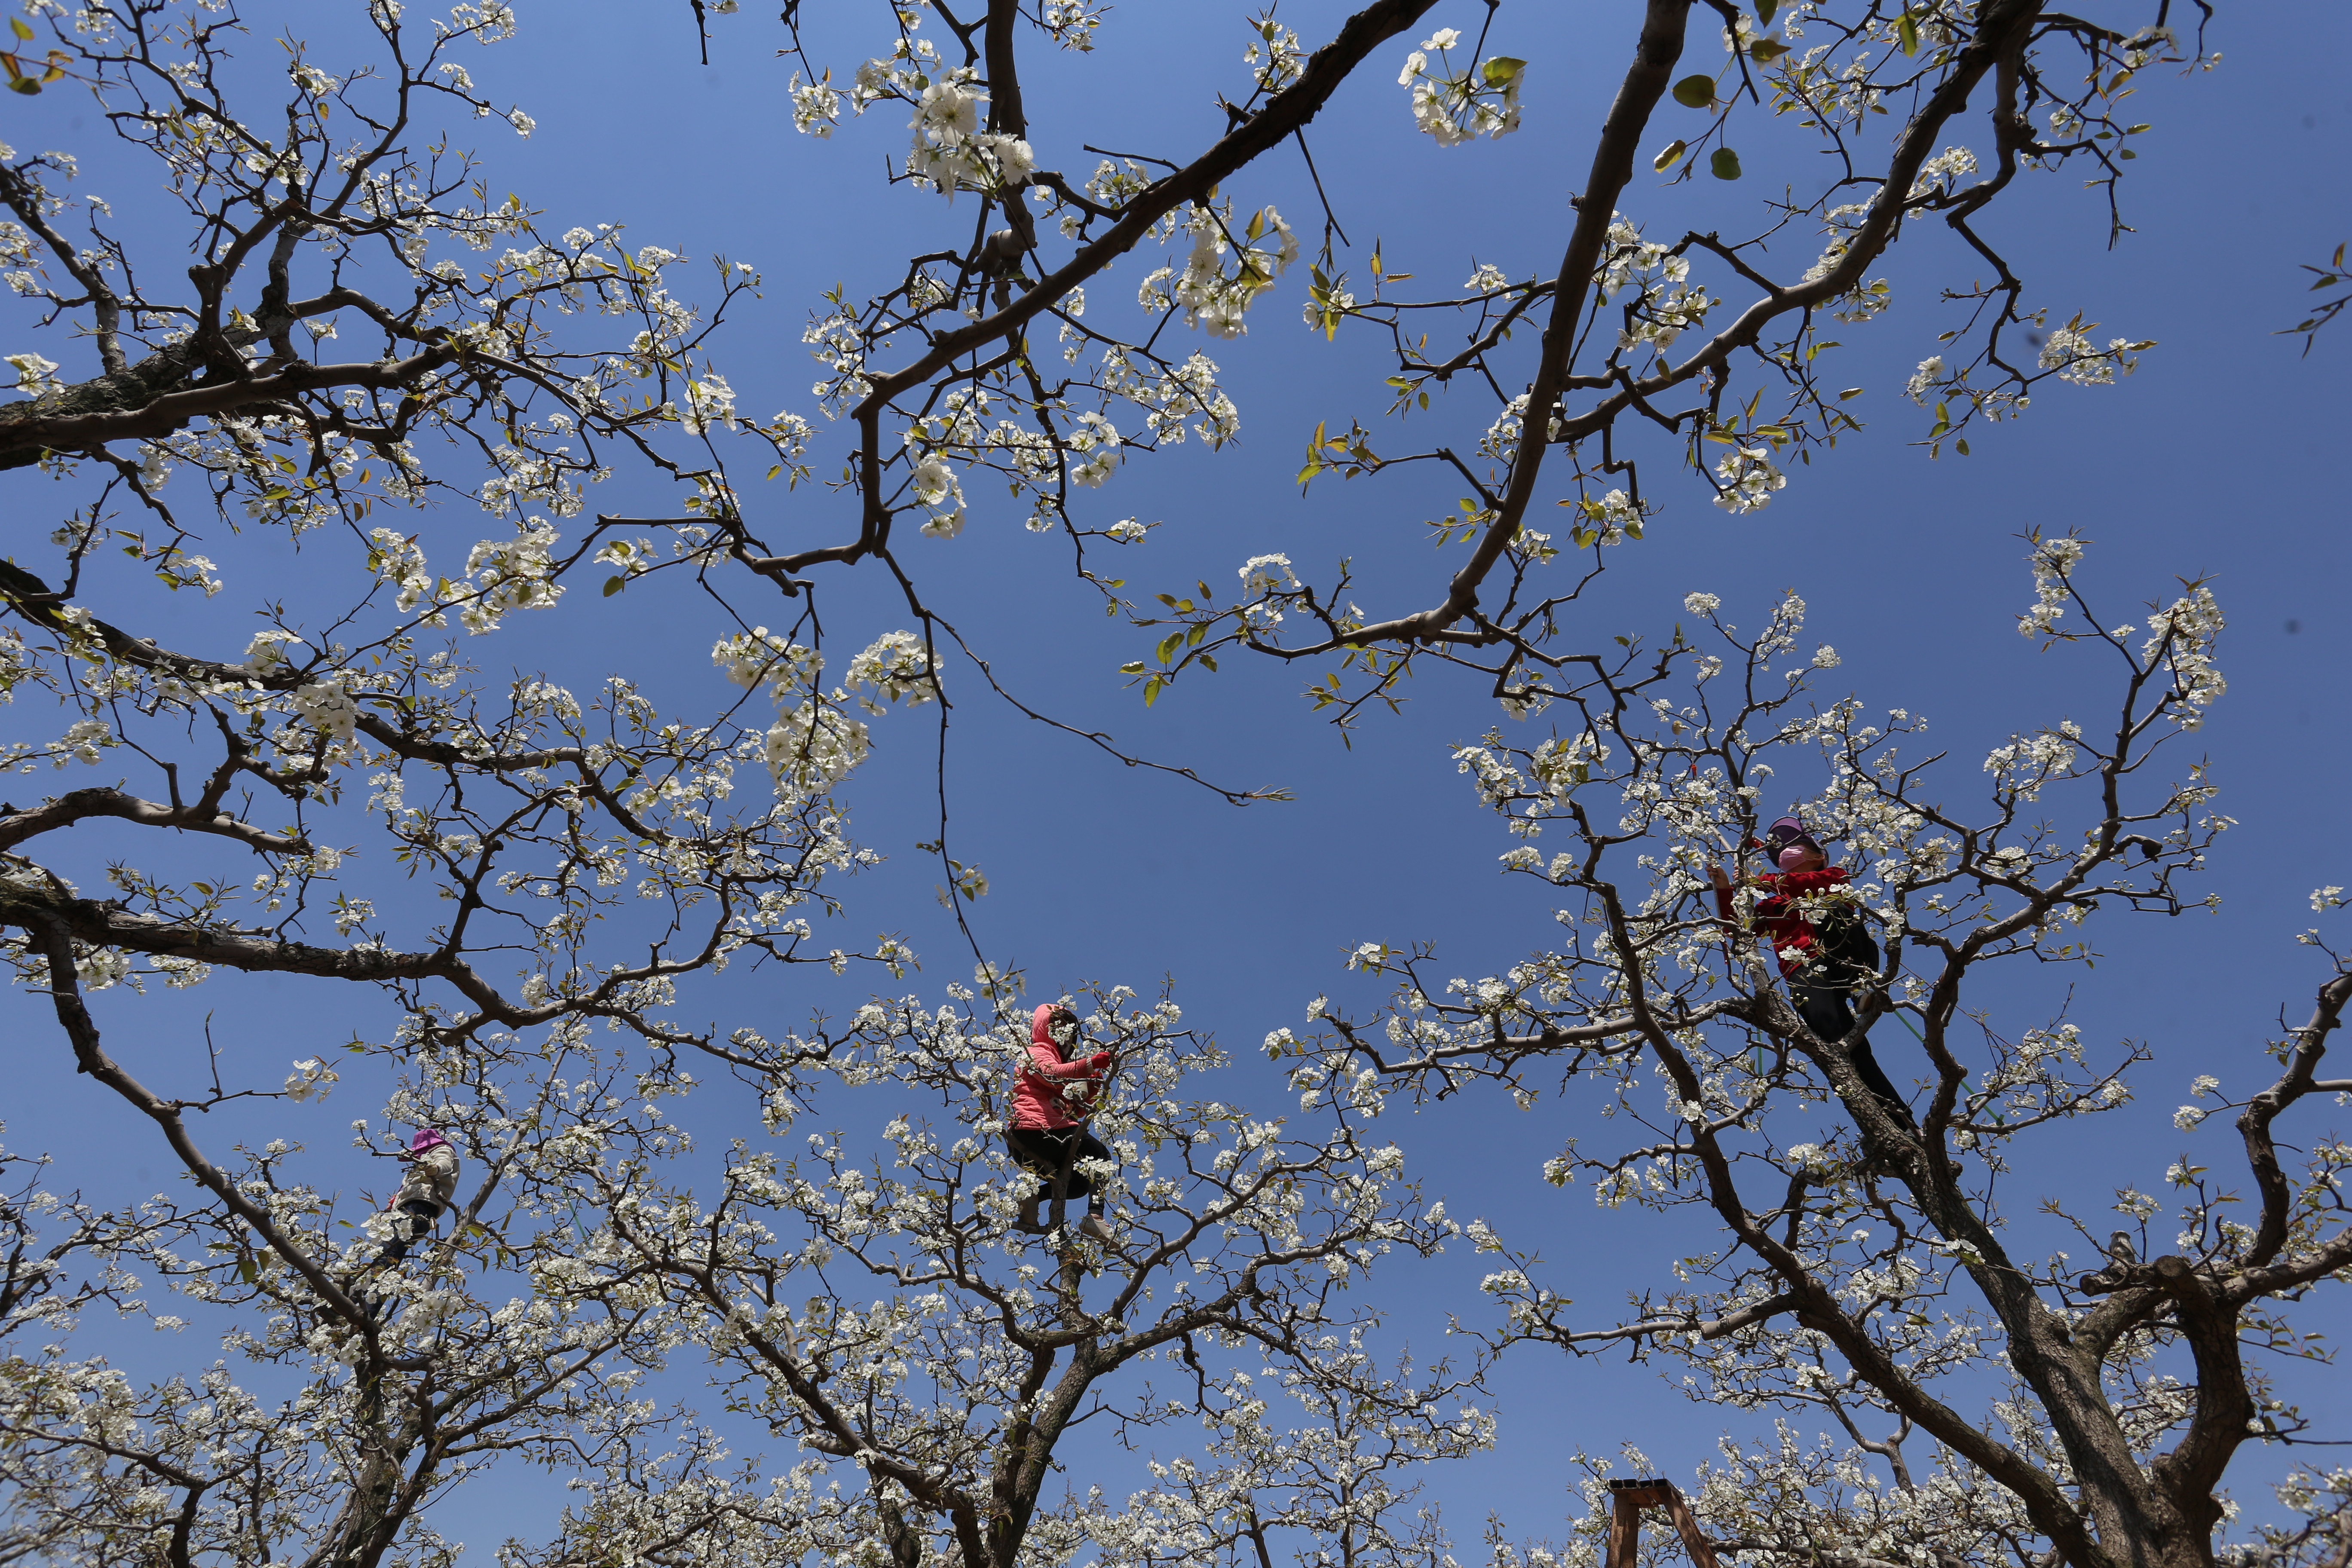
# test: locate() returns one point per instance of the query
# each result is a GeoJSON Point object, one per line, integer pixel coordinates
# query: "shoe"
{"type": "Point", "coordinates": [1093, 1225]}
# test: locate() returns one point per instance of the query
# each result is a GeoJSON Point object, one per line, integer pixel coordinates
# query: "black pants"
{"type": "Point", "coordinates": [1046, 1151]}
{"type": "Point", "coordinates": [1823, 992]}
{"type": "Point", "coordinates": [419, 1215]}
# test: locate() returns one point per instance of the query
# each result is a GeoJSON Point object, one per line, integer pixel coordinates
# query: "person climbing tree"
{"type": "Point", "coordinates": [425, 1190]}
{"type": "Point", "coordinates": [1813, 917]}
{"type": "Point", "coordinates": [1046, 1138]}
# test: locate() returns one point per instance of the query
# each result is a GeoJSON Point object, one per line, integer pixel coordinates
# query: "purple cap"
{"type": "Point", "coordinates": [1787, 832]}
{"type": "Point", "coordinates": [426, 1138]}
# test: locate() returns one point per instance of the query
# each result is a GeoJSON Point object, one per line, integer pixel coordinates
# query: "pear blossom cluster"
{"type": "Point", "coordinates": [903, 74]}
{"type": "Point", "coordinates": [1212, 298]}
{"type": "Point", "coordinates": [2054, 561]}
{"type": "Point", "coordinates": [1940, 175]}
{"type": "Point", "coordinates": [1453, 107]}
{"type": "Point", "coordinates": [1274, 57]}
{"type": "Point", "coordinates": [951, 152]}
{"type": "Point", "coordinates": [1610, 518]}
{"type": "Point", "coordinates": [815, 740]}
{"type": "Point", "coordinates": [2069, 354]}
{"type": "Point", "coordinates": [1072, 23]}
{"type": "Point", "coordinates": [1117, 398]}
{"type": "Point", "coordinates": [1665, 306]}
{"type": "Point", "coordinates": [1266, 580]}
{"type": "Point", "coordinates": [1749, 476]}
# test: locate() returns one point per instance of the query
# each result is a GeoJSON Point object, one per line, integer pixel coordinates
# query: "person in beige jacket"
{"type": "Point", "coordinates": [425, 1190]}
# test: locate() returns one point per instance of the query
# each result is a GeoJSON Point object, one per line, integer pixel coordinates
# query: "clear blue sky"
{"type": "Point", "coordinates": [2222, 455]}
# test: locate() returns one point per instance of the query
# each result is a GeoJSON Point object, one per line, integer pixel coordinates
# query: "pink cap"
{"type": "Point", "coordinates": [426, 1139]}
{"type": "Point", "coordinates": [1786, 842]}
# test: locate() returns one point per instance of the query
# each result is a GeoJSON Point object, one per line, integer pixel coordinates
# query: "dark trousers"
{"type": "Point", "coordinates": [1047, 1152]}
{"type": "Point", "coordinates": [419, 1216]}
{"type": "Point", "coordinates": [1823, 992]}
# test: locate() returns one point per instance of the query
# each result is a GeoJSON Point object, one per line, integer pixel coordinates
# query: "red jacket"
{"type": "Point", "coordinates": [1781, 915]}
{"type": "Point", "coordinates": [1038, 1099]}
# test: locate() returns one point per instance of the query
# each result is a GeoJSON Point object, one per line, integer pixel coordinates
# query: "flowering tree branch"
{"type": "Point", "coordinates": [1840, 1254]}
{"type": "Point", "coordinates": [975, 394]}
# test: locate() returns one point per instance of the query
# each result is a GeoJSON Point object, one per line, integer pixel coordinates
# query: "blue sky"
{"type": "Point", "coordinates": [2221, 456]}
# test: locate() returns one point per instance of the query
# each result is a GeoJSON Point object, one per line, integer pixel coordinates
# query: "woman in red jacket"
{"type": "Point", "coordinates": [1814, 921]}
{"type": "Point", "coordinates": [1046, 1138]}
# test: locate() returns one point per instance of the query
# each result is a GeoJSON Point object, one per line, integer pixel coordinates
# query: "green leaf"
{"type": "Point", "coordinates": [1906, 32]}
{"type": "Point", "coordinates": [613, 585]}
{"type": "Point", "coordinates": [1152, 691]}
{"type": "Point", "coordinates": [1961, 445]}
{"type": "Point", "coordinates": [17, 25]}
{"type": "Point", "coordinates": [1848, 392]}
{"type": "Point", "coordinates": [1671, 156]}
{"type": "Point", "coordinates": [1764, 9]}
{"type": "Point", "coordinates": [248, 1272]}
{"type": "Point", "coordinates": [1499, 70]}
{"type": "Point", "coordinates": [1764, 51]}
{"type": "Point", "coordinates": [1694, 91]}
{"type": "Point", "coordinates": [1170, 644]}
{"type": "Point", "coordinates": [1725, 164]}
{"type": "Point", "coordinates": [25, 84]}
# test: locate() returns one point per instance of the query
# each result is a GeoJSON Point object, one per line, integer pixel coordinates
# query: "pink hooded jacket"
{"type": "Point", "coordinates": [1037, 1096]}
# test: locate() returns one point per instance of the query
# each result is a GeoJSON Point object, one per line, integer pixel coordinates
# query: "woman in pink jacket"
{"type": "Point", "coordinates": [1051, 1096]}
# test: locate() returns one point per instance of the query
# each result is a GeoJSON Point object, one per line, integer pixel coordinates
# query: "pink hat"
{"type": "Point", "coordinates": [1785, 842]}
{"type": "Point", "coordinates": [426, 1138]}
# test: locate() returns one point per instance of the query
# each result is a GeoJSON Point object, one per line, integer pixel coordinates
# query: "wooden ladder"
{"type": "Point", "coordinates": [1625, 1524]}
